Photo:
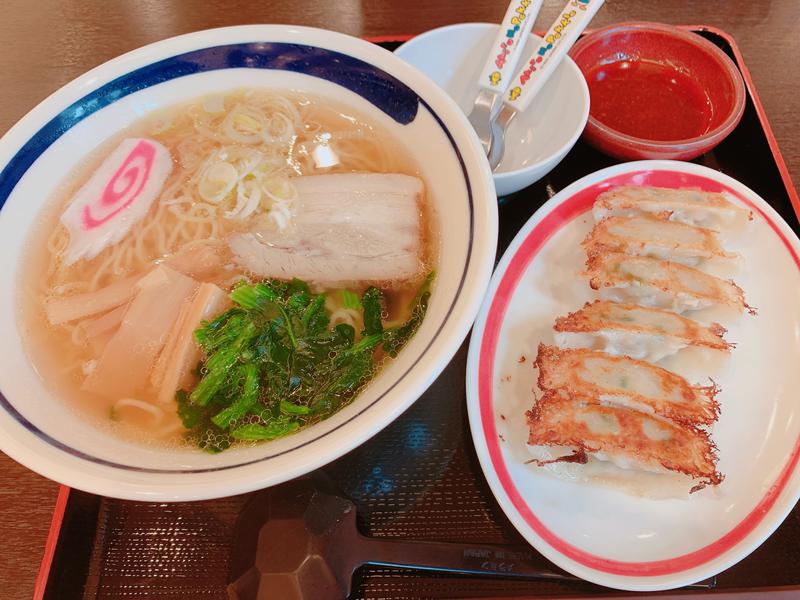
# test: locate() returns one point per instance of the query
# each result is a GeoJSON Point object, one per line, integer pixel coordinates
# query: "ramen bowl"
{"type": "Point", "coordinates": [39, 429]}
{"type": "Point", "coordinates": [539, 138]}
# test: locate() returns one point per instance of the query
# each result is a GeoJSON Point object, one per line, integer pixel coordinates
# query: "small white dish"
{"type": "Point", "coordinates": [602, 534]}
{"type": "Point", "coordinates": [54, 439]}
{"type": "Point", "coordinates": [539, 138]}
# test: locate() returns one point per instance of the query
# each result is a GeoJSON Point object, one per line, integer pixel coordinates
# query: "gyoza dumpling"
{"type": "Point", "coordinates": [622, 381]}
{"type": "Point", "coordinates": [656, 238]}
{"type": "Point", "coordinates": [635, 331]}
{"type": "Point", "coordinates": [693, 207]}
{"type": "Point", "coordinates": [575, 433]}
{"type": "Point", "coordinates": [654, 282]}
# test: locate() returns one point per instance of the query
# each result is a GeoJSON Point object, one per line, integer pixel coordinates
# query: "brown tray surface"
{"type": "Point", "coordinates": [418, 479]}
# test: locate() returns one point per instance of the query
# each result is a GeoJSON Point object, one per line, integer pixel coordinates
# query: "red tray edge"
{"type": "Point", "coordinates": [63, 493]}
{"type": "Point", "coordinates": [762, 116]}
{"type": "Point", "coordinates": [52, 540]}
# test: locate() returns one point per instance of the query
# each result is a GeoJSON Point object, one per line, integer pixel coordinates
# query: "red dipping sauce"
{"type": "Point", "coordinates": [657, 91]}
{"type": "Point", "coordinates": [649, 99]}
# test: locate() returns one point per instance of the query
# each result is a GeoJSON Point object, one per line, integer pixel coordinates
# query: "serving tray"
{"type": "Point", "coordinates": [418, 479]}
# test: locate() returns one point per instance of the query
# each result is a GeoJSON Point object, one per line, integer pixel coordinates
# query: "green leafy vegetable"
{"type": "Point", "coordinates": [288, 408]}
{"type": "Point", "coordinates": [270, 431]}
{"type": "Point", "coordinates": [189, 413]}
{"type": "Point", "coordinates": [350, 300]}
{"type": "Point", "coordinates": [372, 301]}
{"type": "Point", "coordinates": [247, 399]}
{"type": "Point", "coordinates": [273, 364]}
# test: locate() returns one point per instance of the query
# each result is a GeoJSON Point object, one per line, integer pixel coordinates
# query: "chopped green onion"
{"type": "Point", "coordinates": [264, 432]}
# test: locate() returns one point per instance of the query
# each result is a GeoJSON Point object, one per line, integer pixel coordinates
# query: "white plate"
{"type": "Point", "coordinates": [601, 534]}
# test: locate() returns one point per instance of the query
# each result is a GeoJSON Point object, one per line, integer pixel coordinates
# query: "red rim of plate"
{"type": "Point", "coordinates": [577, 204]}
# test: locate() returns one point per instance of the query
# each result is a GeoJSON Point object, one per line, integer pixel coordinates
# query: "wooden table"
{"type": "Point", "coordinates": [49, 42]}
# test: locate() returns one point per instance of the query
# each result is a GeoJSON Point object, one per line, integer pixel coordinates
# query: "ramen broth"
{"type": "Point", "coordinates": [300, 135]}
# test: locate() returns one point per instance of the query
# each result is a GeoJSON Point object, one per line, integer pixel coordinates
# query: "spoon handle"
{"type": "Point", "coordinates": [477, 559]}
{"type": "Point", "coordinates": [507, 47]}
{"type": "Point", "coordinates": [562, 34]}
{"type": "Point", "coordinates": [508, 562]}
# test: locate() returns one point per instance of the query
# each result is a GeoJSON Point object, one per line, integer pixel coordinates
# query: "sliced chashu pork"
{"type": "Point", "coordinates": [345, 227]}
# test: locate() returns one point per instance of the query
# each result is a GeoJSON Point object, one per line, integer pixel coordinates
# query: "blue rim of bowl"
{"type": "Point", "coordinates": [373, 84]}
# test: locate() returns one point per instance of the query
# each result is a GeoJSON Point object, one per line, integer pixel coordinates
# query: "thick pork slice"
{"type": "Point", "coordinates": [345, 227]}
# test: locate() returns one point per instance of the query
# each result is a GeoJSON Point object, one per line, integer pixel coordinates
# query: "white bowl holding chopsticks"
{"type": "Point", "coordinates": [539, 138]}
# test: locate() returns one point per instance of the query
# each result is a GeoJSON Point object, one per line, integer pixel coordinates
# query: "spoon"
{"type": "Point", "coordinates": [562, 34]}
{"type": "Point", "coordinates": [297, 542]}
{"type": "Point", "coordinates": [506, 50]}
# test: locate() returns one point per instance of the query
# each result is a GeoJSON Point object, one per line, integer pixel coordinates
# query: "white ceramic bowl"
{"type": "Point", "coordinates": [539, 138]}
{"type": "Point", "coordinates": [46, 435]}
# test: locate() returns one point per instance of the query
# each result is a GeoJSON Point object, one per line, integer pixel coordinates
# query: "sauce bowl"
{"type": "Point", "coordinates": [657, 91]}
